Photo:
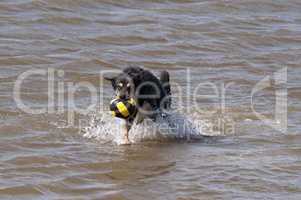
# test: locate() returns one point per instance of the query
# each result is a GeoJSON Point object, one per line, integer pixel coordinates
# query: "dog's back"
{"type": "Point", "coordinates": [149, 88]}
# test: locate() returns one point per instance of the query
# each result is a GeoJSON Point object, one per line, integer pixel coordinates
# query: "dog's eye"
{"type": "Point", "coordinates": [119, 85]}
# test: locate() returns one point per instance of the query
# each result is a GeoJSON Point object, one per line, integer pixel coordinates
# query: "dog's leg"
{"type": "Point", "coordinates": [145, 111]}
{"type": "Point", "coordinates": [126, 126]}
{"type": "Point", "coordinates": [139, 118]}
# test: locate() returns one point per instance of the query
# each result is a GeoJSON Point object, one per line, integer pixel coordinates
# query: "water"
{"type": "Point", "coordinates": [220, 42]}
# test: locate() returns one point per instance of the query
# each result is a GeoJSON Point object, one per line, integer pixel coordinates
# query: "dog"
{"type": "Point", "coordinates": [152, 95]}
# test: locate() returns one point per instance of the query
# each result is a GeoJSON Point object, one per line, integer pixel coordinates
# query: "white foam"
{"type": "Point", "coordinates": [175, 126]}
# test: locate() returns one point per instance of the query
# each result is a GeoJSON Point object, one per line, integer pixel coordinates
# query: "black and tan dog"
{"type": "Point", "coordinates": [152, 95]}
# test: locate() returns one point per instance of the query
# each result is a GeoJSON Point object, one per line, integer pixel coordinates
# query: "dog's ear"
{"type": "Point", "coordinates": [112, 79]}
{"type": "Point", "coordinates": [108, 78]}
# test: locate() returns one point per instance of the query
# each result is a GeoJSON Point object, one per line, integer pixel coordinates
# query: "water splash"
{"type": "Point", "coordinates": [175, 126]}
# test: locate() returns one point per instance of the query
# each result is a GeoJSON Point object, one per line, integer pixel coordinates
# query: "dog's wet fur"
{"type": "Point", "coordinates": [153, 96]}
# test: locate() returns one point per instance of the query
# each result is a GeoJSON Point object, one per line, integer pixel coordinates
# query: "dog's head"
{"type": "Point", "coordinates": [122, 85]}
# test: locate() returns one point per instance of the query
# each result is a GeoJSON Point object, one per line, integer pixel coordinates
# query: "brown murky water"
{"type": "Point", "coordinates": [220, 42]}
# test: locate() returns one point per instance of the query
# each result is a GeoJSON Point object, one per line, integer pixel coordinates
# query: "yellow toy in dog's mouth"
{"type": "Point", "coordinates": [122, 108]}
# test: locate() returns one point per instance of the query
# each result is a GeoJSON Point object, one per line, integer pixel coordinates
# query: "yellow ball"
{"type": "Point", "coordinates": [123, 108]}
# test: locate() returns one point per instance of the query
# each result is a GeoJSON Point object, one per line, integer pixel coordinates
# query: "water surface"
{"type": "Point", "coordinates": [220, 42]}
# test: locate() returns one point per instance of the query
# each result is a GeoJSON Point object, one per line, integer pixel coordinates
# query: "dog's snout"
{"type": "Point", "coordinates": [122, 96]}
{"type": "Point", "coordinates": [122, 93]}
